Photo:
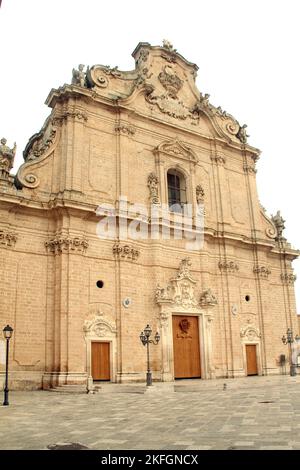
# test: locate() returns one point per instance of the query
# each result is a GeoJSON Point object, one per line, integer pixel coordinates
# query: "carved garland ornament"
{"type": "Point", "coordinates": [288, 278]}
{"type": "Point", "coordinates": [7, 238]}
{"type": "Point", "coordinates": [125, 252]}
{"type": "Point", "coordinates": [228, 266]}
{"type": "Point", "coordinates": [61, 244]}
{"type": "Point", "coordinates": [262, 271]}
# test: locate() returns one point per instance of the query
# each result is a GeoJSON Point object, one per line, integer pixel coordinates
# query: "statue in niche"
{"type": "Point", "coordinates": [279, 223]}
{"type": "Point", "coordinates": [79, 76]}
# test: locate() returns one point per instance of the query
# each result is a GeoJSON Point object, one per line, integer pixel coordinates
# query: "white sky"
{"type": "Point", "coordinates": [247, 53]}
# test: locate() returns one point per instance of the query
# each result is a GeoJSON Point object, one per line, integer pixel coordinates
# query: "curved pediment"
{"type": "Point", "coordinates": [162, 86]}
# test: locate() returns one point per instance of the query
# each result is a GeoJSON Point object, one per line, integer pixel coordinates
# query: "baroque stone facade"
{"type": "Point", "coordinates": [133, 136]}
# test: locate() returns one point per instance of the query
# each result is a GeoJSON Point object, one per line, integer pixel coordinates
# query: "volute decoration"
{"type": "Point", "coordinates": [61, 244]}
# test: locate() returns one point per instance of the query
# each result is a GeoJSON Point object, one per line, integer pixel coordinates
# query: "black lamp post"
{"type": "Point", "coordinates": [145, 339]}
{"type": "Point", "coordinates": [289, 339]}
{"type": "Point", "coordinates": [7, 333]}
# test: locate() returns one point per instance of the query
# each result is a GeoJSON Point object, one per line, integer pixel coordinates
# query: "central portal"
{"type": "Point", "coordinates": [186, 347]}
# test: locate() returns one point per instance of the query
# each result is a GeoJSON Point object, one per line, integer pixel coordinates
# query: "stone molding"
{"type": "Point", "coordinates": [59, 245]}
{"type": "Point", "coordinates": [125, 251]}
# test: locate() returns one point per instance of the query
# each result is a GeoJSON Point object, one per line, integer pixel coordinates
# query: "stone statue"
{"type": "Point", "coordinates": [7, 155]}
{"type": "Point", "coordinates": [167, 45]}
{"type": "Point", "coordinates": [204, 100]}
{"type": "Point", "coordinates": [208, 298]}
{"type": "Point", "coordinates": [153, 188]}
{"type": "Point", "coordinates": [279, 223]}
{"type": "Point", "coordinates": [79, 76]}
{"type": "Point", "coordinates": [242, 134]}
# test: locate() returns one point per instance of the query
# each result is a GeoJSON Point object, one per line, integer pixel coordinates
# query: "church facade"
{"type": "Point", "coordinates": [137, 204]}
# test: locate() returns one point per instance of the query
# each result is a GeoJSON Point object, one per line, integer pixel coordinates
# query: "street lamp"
{"type": "Point", "coordinates": [145, 339]}
{"type": "Point", "coordinates": [7, 333]}
{"type": "Point", "coordinates": [288, 339]}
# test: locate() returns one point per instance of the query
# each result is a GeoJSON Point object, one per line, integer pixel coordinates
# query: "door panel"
{"type": "Point", "coordinates": [251, 359]}
{"type": "Point", "coordinates": [101, 361]}
{"type": "Point", "coordinates": [186, 347]}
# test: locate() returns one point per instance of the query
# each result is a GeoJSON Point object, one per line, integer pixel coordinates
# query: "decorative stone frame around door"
{"type": "Point", "coordinates": [250, 335]}
{"type": "Point", "coordinates": [205, 319]}
{"type": "Point", "coordinates": [100, 330]}
{"type": "Point", "coordinates": [178, 299]}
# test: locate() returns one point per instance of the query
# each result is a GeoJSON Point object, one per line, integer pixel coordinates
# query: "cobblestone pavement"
{"type": "Point", "coordinates": [251, 413]}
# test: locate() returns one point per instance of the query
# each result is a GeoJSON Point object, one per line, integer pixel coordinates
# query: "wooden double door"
{"type": "Point", "coordinates": [100, 361]}
{"type": "Point", "coordinates": [186, 347]}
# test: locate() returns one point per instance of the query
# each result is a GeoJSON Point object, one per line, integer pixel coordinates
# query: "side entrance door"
{"type": "Point", "coordinates": [100, 361]}
{"type": "Point", "coordinates": [251, 359]}
{"type": "Point", "coordinates": [186, 347]}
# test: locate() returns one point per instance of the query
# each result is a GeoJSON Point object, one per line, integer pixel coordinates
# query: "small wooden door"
{"type": "Point", "coordinates": [100, 361]}
{"type": "Point", "coordinates": [186, 347]}
{"type": "Point", "coordinates": [251, 359]}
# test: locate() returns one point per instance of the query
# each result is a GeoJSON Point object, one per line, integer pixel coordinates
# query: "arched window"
{"type": "Point", "coordinates": [176, 190]}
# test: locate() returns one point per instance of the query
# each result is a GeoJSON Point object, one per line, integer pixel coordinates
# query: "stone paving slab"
{"type": "Point", "coordinates": [205, 418]}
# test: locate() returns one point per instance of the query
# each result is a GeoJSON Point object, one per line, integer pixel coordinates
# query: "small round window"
{"type": "Point", "coordinates": [247, 298]}
{"type": "Point", "coordinates": [100, 284]}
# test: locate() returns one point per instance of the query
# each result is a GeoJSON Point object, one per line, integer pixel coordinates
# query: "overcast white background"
{"type": "Point", "coordinates": [247, 53]}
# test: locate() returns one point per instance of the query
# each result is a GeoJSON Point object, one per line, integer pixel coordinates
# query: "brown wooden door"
{"type": "Point", "coordinates": [100, 361]}
{"type": "Point", "coordinates": [251, 359]}
{"type": "Point", "coordinates": [186, 347]}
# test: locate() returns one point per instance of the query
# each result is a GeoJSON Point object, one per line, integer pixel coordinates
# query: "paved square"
{"type": "Point", "coordinates": [252, 413]}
